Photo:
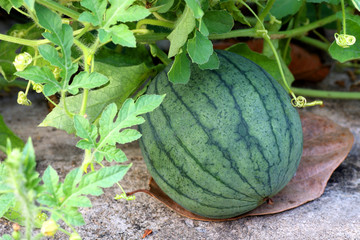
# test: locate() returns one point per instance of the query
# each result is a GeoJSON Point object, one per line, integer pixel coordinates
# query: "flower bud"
{"type": "Point", "coordinates": [38, 87]}
{"type": "Point", "coordinates": [22, 60]}
{"type": "Point", "coordinates": [49, 228]}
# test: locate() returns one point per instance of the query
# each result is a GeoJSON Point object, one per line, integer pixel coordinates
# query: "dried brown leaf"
{"type": "Point", "coordinates": [326, 145]}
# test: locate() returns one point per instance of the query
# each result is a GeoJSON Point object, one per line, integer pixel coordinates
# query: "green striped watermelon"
{"type": "Point", "coordinates": [225, 142]}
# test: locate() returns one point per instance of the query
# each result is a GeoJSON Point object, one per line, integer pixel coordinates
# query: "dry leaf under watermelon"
{"type": "Point", "coordinates": [326, 145]}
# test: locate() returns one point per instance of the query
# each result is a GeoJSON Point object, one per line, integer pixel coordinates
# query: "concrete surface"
{"type": "Point", "coordinates": [335, 215]}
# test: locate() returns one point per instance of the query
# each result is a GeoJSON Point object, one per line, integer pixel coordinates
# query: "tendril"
{"type": "Point", "coordinates": [344, 40]}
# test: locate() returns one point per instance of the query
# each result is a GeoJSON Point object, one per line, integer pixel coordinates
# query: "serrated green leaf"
{"type": "Point", "coordinates": [195, 7]}
{"type": "Point", "coordinates": [97, 8]}
{"type": "Point", "coordinates": [200, 48]}
{"type": "Point", "coordinates": [106, 121]}
{"type": "Point", "coordinates": [61, 35]}
{"type": "Point", "coordinates": [41, 75]}
{"type": "Point", "coordinates": [6, 237]}
{"type": "Point", "coordinates": [50, 54]}
{"type": "Point", "coordinates": [86, 131]}
{"type": "Point", "coordinates": [112, 153]}
{"type": "Point", "coordinates": [79, 201]}
{"type": "Point", "coordinates": [148, 103]}
{"type": "Point", "coordinates": [120, 34]}
{"type": "Point", "coordinates": [71, 181]}
{"type": "Point", "coordinates": [115, 11]}
{"type": "Point", "coordinates": [352, 52]}
{"type": "Point", "coordinates": [6, 133]}
{"type": "Point", "coordinates": [6, 201]}
{"type": "Point", "coordinates": [91, 183]}
{"type": "Point", "coordinates": [73, 216]}
{"type": "Point", "coordinates": [134, 13]}
{"type": "Point", "coordinates": [218, 21]}
{"type": "Point", "coordinates": [88, 81]}
{"type": "Point", "coordinates": [184, 25]}
{"type": "Point", "coordinates": [212, 64]}
{"type": "Point", "coordinates": [180, 69]}
{"type": "Point", "coordinates": [128, 135]}
{"type": "Point", "coordinates": [123, 81]}
{"type": "Point", "coordinates": [51, 180]}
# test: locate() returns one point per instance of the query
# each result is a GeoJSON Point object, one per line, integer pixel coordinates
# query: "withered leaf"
{"type": "Point", "coordinates": [326, 145]}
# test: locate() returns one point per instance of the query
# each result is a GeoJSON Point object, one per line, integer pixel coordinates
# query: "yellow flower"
{"type": "Point", "coordinates": [49, 228]}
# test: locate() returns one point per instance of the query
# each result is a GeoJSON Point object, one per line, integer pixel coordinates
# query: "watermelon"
{"type": "Point", "coordinates": [225, 142]}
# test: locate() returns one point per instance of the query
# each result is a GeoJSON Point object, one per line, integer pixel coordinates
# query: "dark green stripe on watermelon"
{"type": "Point", "coordinates": [225, 141]}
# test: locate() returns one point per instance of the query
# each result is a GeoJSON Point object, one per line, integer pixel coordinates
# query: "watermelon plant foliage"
{"type": "Point", "coordinates": [99, 56]}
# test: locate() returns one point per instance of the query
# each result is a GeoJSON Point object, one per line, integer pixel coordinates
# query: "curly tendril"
{"type": "Point", "coordinates": [18, 33]}
{"type": "Point", "coordinates": [344, 40]}
{"type": "Point", "coordinates": [298, 101]}
{"type": "Point", "coordinates": [22, 60]}
{"type": "Point", "coordinates": [22, 99]}
{"type": "Point", "coordinates": [56, 72]}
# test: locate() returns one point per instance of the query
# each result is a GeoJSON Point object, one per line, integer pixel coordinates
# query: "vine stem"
{"type": "Point", "coordinates": [29, 42]}
{"type": "Point", "coordinates": [154, 22]}
{"type": "Point", "coordinates": [264, 13]}
{"type": "Point", "coordinates": [343, 16]}
{"type": "Point", "coordinates": [326, 94]}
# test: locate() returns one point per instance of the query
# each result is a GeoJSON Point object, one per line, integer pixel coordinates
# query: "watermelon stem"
{"type": "Point", "coordinates": [297, 101]}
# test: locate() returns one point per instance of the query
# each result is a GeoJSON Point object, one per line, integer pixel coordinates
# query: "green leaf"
{"type": "Point", "coordinates": [6, 201]}
{"type": "Point", "coordinates": [270, 65]}
{"type": "Point", "coordinates": [73, 216]}
{"type": "Point", "coordinates": [97, 8]}
{"type": "Point", "coordinates": [212, 64]}
{"type": "Point", "coordinates": [195, 7]}
{"type": "Point", "coordinates": [111, 153]}
{"type": "Point", "coordinates": [41, 75]}
{"type": "Point", "coordinates": [6, 237]}
{"type": "Point", "coordinates": [50, 54]}
{"type": "Point", "coordinates": [180, 69]}
{"type": "Point", "coordinates": [51, 182]}
{"type": "Point", "coordinates": [200, 48]}
{"type": "Point", "coordinates": [184, 25]}
{"type": "Point", "coordinates": [115, 11]}
{"type": "Point", "coordinates": [352, 52]}
{"type": "Point", "coordinates": [120, 34]}
{"type": "Point", "coordinates": [86, 131]}
{"type": "Point", "coordinates": [86, 80]}
{"type": "Point", "coordinates": [30, 3]}
{"type": "Point", "coordinates": [71, 181]}
{"type": "Point", "coordinates": [148, 103]}
{"type": "Point", "coordinates": [235, 11]}
{"type": "Point", "coordinates": [80, 201]}
{"type": "Point", "coordinates": [203, 28]}
{"type": "Point", "coordinates": [162, 6]}
{"type": "Point", "coordinates": [6, 5]}
{"type": "Point", "coordinates": [123, 82]}
{"type": "Point", "coordinates": [283, 8]}
{"type": "Point", "coordinates": [61, 35]}
{"type": "Point", "coordinates": [128, 135]}
{"type": "Point", "coordinates": [326, 1]}
{"type": "Point", "coordinates": [6, 133]}
{"type": "Point", "coordinates": [134, 13]}
{"type": "Point", "coordinates": [218, 21]}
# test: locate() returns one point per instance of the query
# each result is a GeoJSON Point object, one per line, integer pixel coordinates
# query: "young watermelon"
{"type": "Point", "coordinates": [225, 142]}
